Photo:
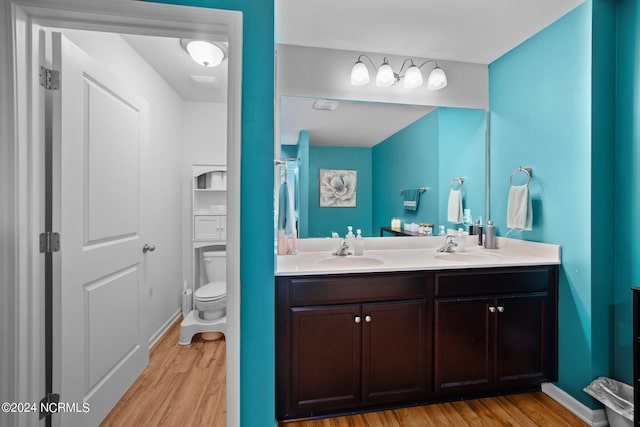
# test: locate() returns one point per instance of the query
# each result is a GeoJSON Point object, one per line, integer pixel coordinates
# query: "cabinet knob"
{"type": "Point", "coordinates": [492, 309]}
{"type": "Point", "coordinates": [367, 319]}
{"type": "Point", "coordinates": [357, 319]}
{"type": "Point", "coordinates": [500, 308]}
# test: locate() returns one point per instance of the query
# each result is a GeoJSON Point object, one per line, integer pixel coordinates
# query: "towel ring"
{"type": "Point", "coordinates": [459, 181]}
{"type": "Point", "coordinates": [526, 171]}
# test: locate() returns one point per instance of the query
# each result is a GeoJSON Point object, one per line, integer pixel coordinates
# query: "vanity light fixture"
{"type": "Point", "coordinates": [385, 76]}
{"type": "Point", "coordinates": [205, 53]}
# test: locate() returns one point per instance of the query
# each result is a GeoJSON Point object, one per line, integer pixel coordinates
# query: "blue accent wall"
{"type": "Point", "coordinates": [627, 183]}
{"type": "Point", "coordinates": [407, 160]}
{"type": "Point", "coordinates": [446, 143]}
{"type": "Point", "coordinates": [541, 116]}
{"type": "Point", "coordinates": [462, 153]}
{"type": "Point", "coordinates": [322, 221]}
{"type": "Point", "coordinates": [257, 357]}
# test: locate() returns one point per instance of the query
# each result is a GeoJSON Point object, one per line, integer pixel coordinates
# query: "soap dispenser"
{"type": "Point", "coordinates": [359, 244]}
{"type": "Point", "coordinates": [350, 238]}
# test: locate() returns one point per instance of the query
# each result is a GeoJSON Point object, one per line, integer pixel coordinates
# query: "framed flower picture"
{"type": "Point", "coordinates": [338, 188]}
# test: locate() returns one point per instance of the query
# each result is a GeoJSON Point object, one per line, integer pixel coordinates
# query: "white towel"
{"type": "Point", "coordinates": [519, 212]}
{"type": "Point", "coordinates": [454, 211]}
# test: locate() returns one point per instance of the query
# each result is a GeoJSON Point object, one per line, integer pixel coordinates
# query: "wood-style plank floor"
{"type": "Point", "coordinates": [185, 386]}
{"type": "Point", "coordinates": [182, 386]}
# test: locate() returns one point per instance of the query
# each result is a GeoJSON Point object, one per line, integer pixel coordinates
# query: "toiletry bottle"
{"type": "Point", "coordinates": [350, 238]}
{"type": "Point", "coordinates": [442, 232]}
{"type": "Point", "coordinates": [478, 230]}
{"type": "Point", "coordinates": [359, 244]}
{"type": "Point", "coordinates": [461, 240]}
{"type": "Point", "coordinates": [490, 235]}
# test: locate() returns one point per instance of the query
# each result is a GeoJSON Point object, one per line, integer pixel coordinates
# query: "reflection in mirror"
{"type": "Point", "coordinates": [392, 147]}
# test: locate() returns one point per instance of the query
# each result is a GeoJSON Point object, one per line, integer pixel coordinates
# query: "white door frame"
{"type": "Point", "coordinates": [21, 265]}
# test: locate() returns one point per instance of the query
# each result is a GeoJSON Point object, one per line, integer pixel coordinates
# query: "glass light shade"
{"type": "Point", "coordinates": [359, 74]}
{"type": "Point", "coordinates": [437, 79]}
{"type": "Point", "coordinates": [205, 53]}
{"type": "Point", "coordinates": [385, 76]}
{"type": "Point", "coordinates": [413, 78]}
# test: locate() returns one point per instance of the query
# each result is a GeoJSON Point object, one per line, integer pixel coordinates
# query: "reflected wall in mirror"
{"type": "Point", "coordinates": [393, 147]}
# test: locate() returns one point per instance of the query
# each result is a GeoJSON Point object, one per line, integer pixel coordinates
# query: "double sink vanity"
{"type": "Point", "coordinates": [405, 324]}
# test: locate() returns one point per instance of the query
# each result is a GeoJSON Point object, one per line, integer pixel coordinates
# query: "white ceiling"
{"type": "Point", "coordinates": [351, 124]}
{"type": "Point", "coordinates": [457, 30]}
{"type": "Point", "coordinates": [175, 66]}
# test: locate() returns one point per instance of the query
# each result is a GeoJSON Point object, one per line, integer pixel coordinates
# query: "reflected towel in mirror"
{"type": "Point", "coordinates": [411, 199]}
{"type": "Point", "coordinates": [519, 212]}
{"type": "Point", "coordinates": [455, 211]}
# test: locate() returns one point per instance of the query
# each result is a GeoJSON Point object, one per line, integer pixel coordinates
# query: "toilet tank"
{"type": "Point", "coordinates": [215, 265]}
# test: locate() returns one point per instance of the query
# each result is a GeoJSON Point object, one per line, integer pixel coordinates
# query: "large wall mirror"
{"type": "Point", "coordinates": [384, 141]}
{"type": "Point", "coordinates": [392, 148]}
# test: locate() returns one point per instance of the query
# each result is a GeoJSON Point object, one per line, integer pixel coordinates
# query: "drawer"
{"type": "Point", "coordinates": [354, 288]}
{"type": "Point", "coordinates": [490, 282]}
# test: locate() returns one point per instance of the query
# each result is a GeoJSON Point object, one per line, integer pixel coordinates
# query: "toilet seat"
{"type": "Point", "coordinates": [211, 292]}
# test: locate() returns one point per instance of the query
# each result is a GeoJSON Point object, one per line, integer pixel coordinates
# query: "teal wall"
{"type": "Point", "coordinates": [627, 183]}
{"type": "Point", "coordinates": [407, 160]}
{"type": "Point", "coordinates": [462, 153]}
{"type": "Point", "coordinates": [446, 143]}
{"type": "Point", "coordinates": [322, 221]}
{"type": "Point", "coordinates": [257, 378]}
{"type": "Point", "coordinates": [541, 116]}
{"type": "Point", "coordinates": [303, 164]}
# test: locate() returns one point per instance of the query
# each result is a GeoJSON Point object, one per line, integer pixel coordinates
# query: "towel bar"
{"type": "Point", "coordinates": [528, 170]}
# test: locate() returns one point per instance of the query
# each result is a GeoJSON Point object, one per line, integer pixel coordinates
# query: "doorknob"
{"type": "Point", "coordinates": [148, 248]}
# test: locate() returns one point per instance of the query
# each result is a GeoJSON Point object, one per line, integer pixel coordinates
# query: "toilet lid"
{"type": "Point", "coordinates": [211, 291]}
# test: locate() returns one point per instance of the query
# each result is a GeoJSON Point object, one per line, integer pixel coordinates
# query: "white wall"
{"type": "Point", "coordinates": [204, 141]}
{"type": "Point", "coordinates": [161, 205]}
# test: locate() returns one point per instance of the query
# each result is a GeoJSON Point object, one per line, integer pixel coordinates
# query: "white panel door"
{"type": "Point", "coordinates": [100, 127]}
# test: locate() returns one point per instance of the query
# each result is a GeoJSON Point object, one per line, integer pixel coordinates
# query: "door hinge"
{"type": "Point", "coordinates": [49, 404]}
{"type": "Point", "coordinates": [49, 242]}
{"type": "Point", "coordinates": [49, 79]}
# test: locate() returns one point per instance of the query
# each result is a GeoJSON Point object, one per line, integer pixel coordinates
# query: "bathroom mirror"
{"type": "Point", "coordinates": [393, 147]}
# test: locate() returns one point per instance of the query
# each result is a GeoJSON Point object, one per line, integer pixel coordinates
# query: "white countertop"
{"type": "Point", "coordinates": [383, 254]}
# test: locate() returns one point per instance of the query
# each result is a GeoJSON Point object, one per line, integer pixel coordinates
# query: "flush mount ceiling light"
{"type": "Point", "coordinates": [205, 53]}
{"type": "Point", "coordinates": [385, 76]}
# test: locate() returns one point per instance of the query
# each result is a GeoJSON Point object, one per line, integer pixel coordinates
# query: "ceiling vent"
{"type": "Point", "coordinates": [325, 104]}
{"type": "Point", "coordinates": [207, 82]}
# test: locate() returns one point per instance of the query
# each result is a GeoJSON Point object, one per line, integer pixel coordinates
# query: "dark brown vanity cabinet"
{"type": "Point", "coordinates": [494, 330]}
{"type": "Point", "coordinates": [350, 341]}
{"type": "Point", "coordinates": [354, 342]}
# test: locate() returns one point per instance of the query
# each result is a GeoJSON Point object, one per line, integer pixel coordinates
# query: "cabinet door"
{"type": "Point", "coordinates": [223, 228]}
{"type": "Point", "coordinates": [394, 351]}
{"type": "Point", "coordinates": [463, 354]}
{"type": "Point", "coordinates": [326, 354]}
{"type": "Point", "coordinates": [206, 227]}
{"type": "Point", "coordinates": [521, 338]}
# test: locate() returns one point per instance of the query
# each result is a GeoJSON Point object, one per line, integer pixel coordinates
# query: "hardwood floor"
{"type": "Point", "coordinates": [185, 386]}
{"type": "Point", "coordinates": [182, 386]}
{"type": "Point", "coordinates": [517, 410]}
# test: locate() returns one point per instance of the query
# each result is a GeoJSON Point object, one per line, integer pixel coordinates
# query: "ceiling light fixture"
{"type": "Point", "coordinates": [385, 76]}
{"type": "Point", "coordinates": [205, 53]}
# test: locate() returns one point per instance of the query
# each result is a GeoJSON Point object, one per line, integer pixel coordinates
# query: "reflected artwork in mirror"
{"type": "Point", "coordinates": [393, 147]}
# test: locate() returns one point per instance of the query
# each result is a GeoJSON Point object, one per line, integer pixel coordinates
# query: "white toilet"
{"type": "Point", "coordinates": [210, 300]}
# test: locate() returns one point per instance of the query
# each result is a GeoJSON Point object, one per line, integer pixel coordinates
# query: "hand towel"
{"type": "Point", "coordinates": [411, 198]}
{"type": "Point", "coordinates": [519, 212]}
{"type": "Point", "coordinates": [454, 211]}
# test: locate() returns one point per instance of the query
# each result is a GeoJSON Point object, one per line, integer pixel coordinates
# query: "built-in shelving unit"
{"type": "Point", "coordinates": [209, 213]}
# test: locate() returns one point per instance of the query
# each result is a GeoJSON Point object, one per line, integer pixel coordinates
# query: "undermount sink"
{"type": "Point", "coordinates": [465, 256]}
{"type": "Point", "coordinates": [350, 261]}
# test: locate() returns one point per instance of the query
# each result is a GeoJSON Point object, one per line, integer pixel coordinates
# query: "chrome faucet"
{"type": "Point", "coordinates": [343, 250]}
{"type": "Point", "coordinates": [449, 244]}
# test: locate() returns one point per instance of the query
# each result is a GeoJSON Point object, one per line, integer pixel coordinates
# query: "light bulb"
{"type": "Point", "coordinates": [437, 79]}
{"type": "Point", "coordinates": [359, 74]}
{"type": "Point", "coordinates": [385, 76]}
{"type": "Point", "coordinates": [413, 78]}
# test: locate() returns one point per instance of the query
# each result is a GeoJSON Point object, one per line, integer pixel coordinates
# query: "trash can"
{"type": "Point", "coordinates": [617, 398]}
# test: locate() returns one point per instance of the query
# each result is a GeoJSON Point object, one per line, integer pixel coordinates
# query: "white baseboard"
{"type": "Point", "coordinates": [593, 417]}
{"type": "Point", "coordinates": [164, 328]}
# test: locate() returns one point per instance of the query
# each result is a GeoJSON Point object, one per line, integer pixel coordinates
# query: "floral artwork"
{"type": "Point", "coordinates": [338, 188]}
